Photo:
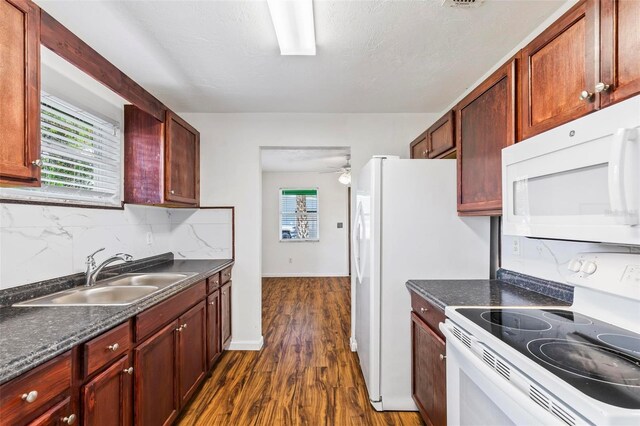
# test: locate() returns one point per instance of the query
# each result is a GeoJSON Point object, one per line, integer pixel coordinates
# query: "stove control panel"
{"type": "Point", "coordinates": [615, 273]}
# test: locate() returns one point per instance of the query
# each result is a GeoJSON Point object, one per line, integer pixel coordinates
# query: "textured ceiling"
{"type": "Point", "coordinates": [329, 159]}
{"type": "Point", "coordinates": [372, 56]}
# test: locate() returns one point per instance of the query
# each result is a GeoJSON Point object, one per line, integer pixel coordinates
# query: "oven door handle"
{"type": "Point", "coordinates": [622, 183]}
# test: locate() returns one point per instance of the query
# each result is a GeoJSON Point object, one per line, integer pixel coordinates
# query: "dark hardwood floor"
{"type": "Point", "coordinates": [305, 373]}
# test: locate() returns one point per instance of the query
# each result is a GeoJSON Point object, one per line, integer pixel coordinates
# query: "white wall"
{"type": "Point", "coordinates": [231, 176]}
{"type": "Point", "coordinates": [43, 242]}
{"type": "Point", "coordinates": [288, 258]}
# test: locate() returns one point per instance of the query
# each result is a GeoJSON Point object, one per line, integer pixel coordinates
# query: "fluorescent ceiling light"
{"type": "Point", "coordinates": [293, 21]}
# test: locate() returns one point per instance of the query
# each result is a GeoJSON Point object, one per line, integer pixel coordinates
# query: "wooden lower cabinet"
{"type": "Point", "coordinates": [141, 372]}
{"type": "Point", "coordinates": [214, 344]}
{"type": "Point", "coordinates": [428, 372]}
{"type": "Point", "coordinates": [225, 315]}
{"type": "Point", "coordinates": [58, 415]}
{"type": "Point", "coordinates": [107, 397]}
{"type": "Point", "coordinates": [191, 348]}
{"type": "Point", "coordinates": [155, 372]}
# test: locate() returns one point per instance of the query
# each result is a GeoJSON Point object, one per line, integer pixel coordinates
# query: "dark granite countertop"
{"type": "Point", "coordinates": [445, 293]}
{"type": "Point", "coordinates": [29, 336]}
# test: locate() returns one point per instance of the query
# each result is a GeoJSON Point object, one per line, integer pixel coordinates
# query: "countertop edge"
{"type": "Point", "coordinates": [17, 367]}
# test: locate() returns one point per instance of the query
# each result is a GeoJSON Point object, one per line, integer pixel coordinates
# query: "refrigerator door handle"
{"type": "Point", "coordinates": [356, 238]}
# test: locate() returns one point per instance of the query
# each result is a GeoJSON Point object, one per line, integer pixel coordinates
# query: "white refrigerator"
{"type": "Point", "coordinates": [406, 227]}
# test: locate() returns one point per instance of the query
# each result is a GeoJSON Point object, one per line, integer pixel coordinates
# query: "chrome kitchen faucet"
{"type": "Point", "coordinates": [93, 270]}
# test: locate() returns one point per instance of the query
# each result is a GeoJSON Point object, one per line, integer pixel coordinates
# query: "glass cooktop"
{"type": "Point", "coordinates": [599, 359]}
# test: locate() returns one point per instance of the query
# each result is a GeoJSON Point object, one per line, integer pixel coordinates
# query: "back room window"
{"type": "Point", "coordinates": [299, 215]}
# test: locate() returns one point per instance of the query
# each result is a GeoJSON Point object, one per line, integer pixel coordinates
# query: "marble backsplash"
{"type": "Point", "coordinates": [43, 242]}
{"type": "Point", "coordinates": [548, 259]}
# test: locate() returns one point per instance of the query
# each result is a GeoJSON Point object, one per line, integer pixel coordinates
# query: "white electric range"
{"type": "Point", "coordinates": [574, 365]}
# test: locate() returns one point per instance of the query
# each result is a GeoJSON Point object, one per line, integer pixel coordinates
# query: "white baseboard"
{"type": "Point", "coordinates": [246, 345]}
{"type": "Point", "coordinates": [305, 274]}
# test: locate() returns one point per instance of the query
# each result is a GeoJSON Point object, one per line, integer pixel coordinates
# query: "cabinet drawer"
{"type": "Point", "coordinates": [154, 318]}
{"type": "Point", "coordinates": [40, 385]}
{"type": "Point", "coordinates": [59, 414]}
{"type": "Point", "coordinates": [106, 347]}
{"type": "Point", "coordinates": [429, 313]}
{"type": "Point", "coordinates": [213, 283]}
{"type": "Point", "coordinates": [226, 275]}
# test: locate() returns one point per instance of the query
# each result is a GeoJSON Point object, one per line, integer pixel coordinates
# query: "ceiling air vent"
{"type": "Point", "coordinates": [466, 4]}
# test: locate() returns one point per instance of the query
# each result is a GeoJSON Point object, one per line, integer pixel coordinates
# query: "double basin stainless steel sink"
{"type": "Point", "coordinates": [121, 290]}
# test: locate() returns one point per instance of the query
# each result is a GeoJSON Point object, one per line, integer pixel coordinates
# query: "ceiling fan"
{"type": "Point", "coordinates": [344, 170]}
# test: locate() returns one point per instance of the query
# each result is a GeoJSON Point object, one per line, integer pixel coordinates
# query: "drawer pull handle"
{"type": "Point", "coordinates": [442, 357]}
{"type": "Point", "coordinates": [423, 310]}
{"type": "Point", "coordinates": [113, 347]}
{"type": "Point", "coordinates": [69, 420]}
{"type": "Point", "coordinates": [129, 370]}
{"type": "Point", "coordinates": [30, 397]}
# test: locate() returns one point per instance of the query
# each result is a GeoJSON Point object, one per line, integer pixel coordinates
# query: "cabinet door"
{"type": "Point", "coordinates": [213, 328]}
{"type": "Point", "coordinates": [428, 384]}
{"type": "Point", "coordinates": [485, 123]}
{"type": "Point", "coordinates": [58, 415]}
{"type": "Point", "coordinates": [191, 351]}
{"type": "Point", "coordinates": [420, 147]}
{"type": "Point", "coordinates": [107, 397]}
{"type": "Point", "coordinates": [155, 376]}
{"type": "Point", "coordinates": [441, 136]}
{"type": "Point", "coordinates": [20, 93]}
{"type": "Point", "coordinates": [182, 167]}
{"type": "Point", "coordinates": [557, 67]}
{"type": "Point", "coordinates": [620, 49]}
{"type": "Point", "coordinates": [225, 315]}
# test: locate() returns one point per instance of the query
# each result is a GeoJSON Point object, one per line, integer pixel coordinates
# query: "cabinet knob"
{"type": "Point", "coordinates": [113, 347]}
{"type": "Point", "coordinates": [179, 329]}
{"type": "Point", "coordinates": [184, 325]}
{"type": "Point", "coordinates": [173, 192]}
{"type": "Point", "coordinates": [129, 370]}
{"type": "Point", "coordinates": [585, 95]}
{"type": "Point", "coordinates": [69, 420]}
{"type": "Point", "coordinates": [423, 310]}
{"type": "Point", "coordinates": [442, 357]}
{"type": "Point", "coordinates": [30, 397]}
{"type": "Point", "coordinates": [602, 87]}
{"type": "Point", "coordinates": [212, 303]}
{"type": "Point", "coordinates": [37, 162]}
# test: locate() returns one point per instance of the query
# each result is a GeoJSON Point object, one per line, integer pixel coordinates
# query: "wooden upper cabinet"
{"type": "Point", "coordinates": [557, 67]}
{"type": "Point", "coordinates": [420, 147]}
{"type": "Point", "coordinates": [437, 141]}
{"type": "Point", "coordinates": [19, 93]}
{"type": "Point", "coordinates": [485, 123]}
{"type": "Point", "coordinates": [441, 136]}
{"type": "Point", "coordinates": [162, 160]}
{"type": "Point", "coordinates": [619, 50]}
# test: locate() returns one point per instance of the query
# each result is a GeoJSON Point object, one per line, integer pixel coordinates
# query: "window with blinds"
{"type": "Point", "coordinates": [80, 154]}
{"type": "Point", "coordinates": [299, 215]}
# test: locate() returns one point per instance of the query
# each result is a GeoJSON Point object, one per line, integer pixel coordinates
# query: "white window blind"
{"type": "Point", "coordinates": [80, 154]}
{"type": "Point", "coordinates": [299, 217]}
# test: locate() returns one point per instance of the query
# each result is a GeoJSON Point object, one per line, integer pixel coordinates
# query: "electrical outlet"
{"type": "Point", "coordinates": [515, 247]}
{"type": "Point", "coordinates": [149, 238]}
{"type": "Point", "coordinates": [290, 260]}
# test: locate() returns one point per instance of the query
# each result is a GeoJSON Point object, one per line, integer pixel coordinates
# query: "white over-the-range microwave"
{"type": "Point", "coordinates": [579, 181]}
